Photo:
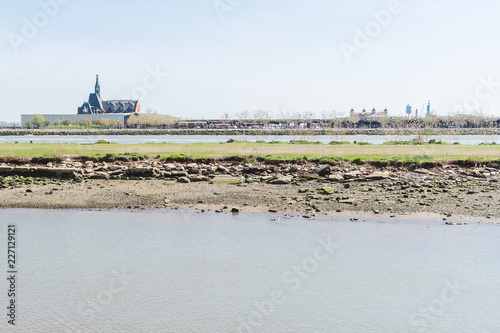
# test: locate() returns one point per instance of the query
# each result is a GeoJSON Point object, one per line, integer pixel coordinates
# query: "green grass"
{"type": "Point", "coordinates": [251, 151]}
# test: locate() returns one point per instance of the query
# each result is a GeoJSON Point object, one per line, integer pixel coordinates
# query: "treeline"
{"type": "Point", "coordinates": [39, 121]}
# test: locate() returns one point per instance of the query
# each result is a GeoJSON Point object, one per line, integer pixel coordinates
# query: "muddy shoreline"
{"type": "Point", "coordinates": [301, 188]}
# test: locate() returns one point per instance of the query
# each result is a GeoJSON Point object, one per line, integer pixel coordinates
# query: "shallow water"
{"type": "Point", "coordinates": [131, 139]}
{"type": "Point", "coordinates": [159, 271]}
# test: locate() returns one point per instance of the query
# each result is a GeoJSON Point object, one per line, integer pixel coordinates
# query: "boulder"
{"type": "Point", "coordinates": [281, 180]}
{"type": "Point", "coordinates": [323, 170]}
{"type": "Point", "coordinates": [197, 178]}
{"type": "Point", "coordinates": [169, 166]}
{"type": "Point", "coordinates": [139, 171]}
{"type": "Point", "coordinates": [183, 180]}
{"type": "Point", "coordinates": [378, 175]}
{"type": "Point", "coordinates": [327, 190]}
{"type": "Point", "coordinates": [347, 201]}
{"type": "Point", "coordinates": [222, 169]}
{"type": "Point", "coordinates": [225, 180]}
{"type": "Point", "coordinates": [351, 174]}
{"type": "Point", "coordinates": [336, 176]}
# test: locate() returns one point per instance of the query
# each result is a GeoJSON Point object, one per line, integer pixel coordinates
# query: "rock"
{"type": "Point", "coordinates": [230, 141]}
{"type": "Point", "coordinates": [303, 190]}
{"type": "Point", "coordinates": [177, 173]}
{"type": "Point", "coordinates": [281, 180]}
{"type": "Point", "coordinates": [272, 210]}
{"type": "Point", "coordinates": [378, 176]}
{"type": "Point", "coordinates": [222, 169]}
{"type": "Point", "coordinates": [352, 174]}
{"type": "Point", "coordinates": [327, 190]}
{"type": "Point", "coordinates": [311, 176]}
{"type": "Point", "coordinates": [225, 180]}
{"type": "Point", "coordinates": [99, 175]}
{"type": "Point", "coordinates": [323, 170]}
{"type": "Point", "coordinates": [183, 180]}
{"type": "Point", "coordinates": [336, 176]}
{"type": "Point", "coordinates": [235, 210]}
{"type": "Point", "coordinates": [197, 178]}
{"type": "Point", "coordinates": [138, 170]}
{"type": "Point", "coordinates": [347, 201]}
{"type": "Point", "coordinates": [169, 166]}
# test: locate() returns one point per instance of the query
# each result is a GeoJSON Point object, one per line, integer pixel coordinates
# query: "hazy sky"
{"type": "Point", "coordinates": [227, 56]}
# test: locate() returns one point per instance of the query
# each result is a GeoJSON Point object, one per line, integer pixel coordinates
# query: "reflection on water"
{"type": "Point", "coordinates": [131, 139]}
{"type": "Point", "coordinates": [158, 271]}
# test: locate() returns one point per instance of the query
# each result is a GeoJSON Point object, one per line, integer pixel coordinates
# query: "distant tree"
{"type": "Point", "coordinates": [28, 124]}
{"type": "Point", "coordinates": [260, 115]}
{"type": "Point", "coordinates": [86, 122]}
{"type": "Point", "coordinates": [57, 122]}
{"type": "Point", "coordinates": [46, 123]}
{"type": "Point", "coordinates": [284, 115]}
{"type": "Point", "coordinates": [98, 122]}
{"type": "Point", "coordinates": [242, 115]}
{"type": "Point", "coordinates": [66, 122]}
{"type": "Point", "coordinates": [38, 120]}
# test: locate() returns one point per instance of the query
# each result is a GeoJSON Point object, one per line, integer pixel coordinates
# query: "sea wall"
{"type": "Point", "coordinates": [260, 132]}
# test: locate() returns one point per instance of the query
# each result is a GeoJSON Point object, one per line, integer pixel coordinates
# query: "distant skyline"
{"type": "Point", "coordinates": [205, 59]}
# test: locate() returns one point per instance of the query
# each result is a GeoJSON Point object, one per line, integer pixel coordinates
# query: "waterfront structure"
{"type": "Point", "coordinates": [95, 105]}
{"type": "Point", "coordinates": [367, 116]}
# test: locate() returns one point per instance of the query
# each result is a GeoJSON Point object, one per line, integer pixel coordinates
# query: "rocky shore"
{"type": "Point", "coordinates": [299, 188]}
{"type": "Point", "coordinates": [260, 132]}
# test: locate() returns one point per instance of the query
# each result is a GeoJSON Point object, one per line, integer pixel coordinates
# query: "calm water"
{"type": "Point", "coordinates": [129, 139]}
{"type": "Point", "coordinates": [119, 271]}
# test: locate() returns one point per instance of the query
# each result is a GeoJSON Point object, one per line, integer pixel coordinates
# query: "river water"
{"type": "Point", "coordinates": [131, 139]}
{"type": "Point", "coordinates": [159, 271]}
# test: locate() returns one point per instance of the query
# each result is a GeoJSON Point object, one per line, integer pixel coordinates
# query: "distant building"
{"type": "Point", "coordinates": [364, 115]}
{"type": "Point", "coordinates": [95, 105]}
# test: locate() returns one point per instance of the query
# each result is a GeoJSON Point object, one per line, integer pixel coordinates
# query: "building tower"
{"type": "Point", "coordinates": [97, 87]}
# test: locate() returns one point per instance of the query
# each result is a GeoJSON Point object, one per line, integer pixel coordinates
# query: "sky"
{"type": "Point", "coordinates": [203, 59]}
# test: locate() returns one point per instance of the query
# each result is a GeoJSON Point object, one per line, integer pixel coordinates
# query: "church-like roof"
{"type": "Point", "coordinates": [96, 105]}
{"type": "Point", "coordinates": [95, 101]}
{"type": "Point", "coordinates": [120, 106]}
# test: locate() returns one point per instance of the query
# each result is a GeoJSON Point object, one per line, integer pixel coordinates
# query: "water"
{"type": "Point", "coordinates": [131, 139]}
{"type": "Point", "coordinates": [157, 271]}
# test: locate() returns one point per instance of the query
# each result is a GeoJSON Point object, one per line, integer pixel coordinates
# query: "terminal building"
{"type": "Point", "coordinates": [95, 105]}
{"type": "Point", "coordinates": [365, 115]}
{"type": "Point", "coordinates": [95, 108]}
